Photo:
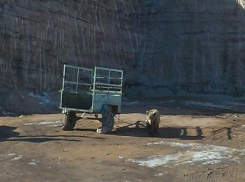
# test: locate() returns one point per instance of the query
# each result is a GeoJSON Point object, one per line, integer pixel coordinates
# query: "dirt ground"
{"type": "Point", "coordinates": [198, 140]}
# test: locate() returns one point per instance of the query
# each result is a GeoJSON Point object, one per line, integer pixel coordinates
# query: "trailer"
{"type": "Point", "coordinates": [95, 91]}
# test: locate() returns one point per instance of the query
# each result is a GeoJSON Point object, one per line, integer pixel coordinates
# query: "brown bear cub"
{"type": "Point", "coordinates": [152, 121]}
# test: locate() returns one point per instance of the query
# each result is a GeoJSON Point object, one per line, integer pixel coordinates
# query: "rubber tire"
{"type": "Point", "coordinates": [109, 121]}
{"type": "Point", "coordinates": [69, 121]}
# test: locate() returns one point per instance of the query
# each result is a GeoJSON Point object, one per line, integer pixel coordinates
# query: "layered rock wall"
{"type": "Point", "coordinates": [190, 45]}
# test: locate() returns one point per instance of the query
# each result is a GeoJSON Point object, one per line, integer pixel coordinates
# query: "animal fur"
{"type": "Point", "coordinates": [152, 121]}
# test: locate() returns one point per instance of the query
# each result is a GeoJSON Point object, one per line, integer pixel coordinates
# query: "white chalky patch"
{"type": "Point", "coordinates": [45, 123]}
{"type": "Point", "coordinates": [57, 125]}
{"type": "Point", "coordinates": [17, 158]}
{"type": "Point", "coordinates": [168, 101]}
{"type": "Point", "coordinates": [206, 104]}
{"type": "Point", "coordinates": [173, 144]}
{"type": "Point", "coordinates": [32, 163]}
{"type": "Point", "coordinates": [43, 99]}
{"type": "Point", "coordinates": [196, 154]}
{"type": "Point", "coordinates": [130, 103]}
{"type": "Point", "coordinates": [11, 154]}
{"type": "Point", "coordinates": [159, 174]}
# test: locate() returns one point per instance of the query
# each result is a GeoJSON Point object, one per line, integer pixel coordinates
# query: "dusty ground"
{"type": "Point", "coordinates": [197, 141]}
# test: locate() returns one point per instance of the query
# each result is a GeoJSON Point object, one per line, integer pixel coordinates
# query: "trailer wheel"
{"type": "Point", "coordinates": [69, 121]}
{"type": "Point", "coordinates": [109, 121]}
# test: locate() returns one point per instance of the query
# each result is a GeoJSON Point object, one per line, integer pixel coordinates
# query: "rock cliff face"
{"type": "Point", "coordinates": [198, 46]}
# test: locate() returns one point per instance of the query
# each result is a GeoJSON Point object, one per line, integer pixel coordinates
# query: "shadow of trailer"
{"type": "Point", "coordinates": [96, 91]}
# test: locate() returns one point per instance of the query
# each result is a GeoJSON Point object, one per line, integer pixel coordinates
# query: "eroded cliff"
{"type": "Point", "coordinates": [196, 46]}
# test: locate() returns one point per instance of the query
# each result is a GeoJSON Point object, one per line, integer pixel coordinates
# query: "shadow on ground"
{"type": "Point", "coordinates": [46, 138]}
{"type": "Point", "coordinates": [165, 132]}
{"type": "Point", "coordinates": [182, 133]}
{"type": "Point", "coordinates": [7, 132]}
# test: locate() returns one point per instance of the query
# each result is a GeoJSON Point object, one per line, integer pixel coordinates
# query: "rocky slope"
{"type": "Point", "coordinates": [196, 46]}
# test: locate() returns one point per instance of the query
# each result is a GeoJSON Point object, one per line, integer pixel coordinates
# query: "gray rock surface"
{"type": "Point", "coordinates": [197, 46]}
